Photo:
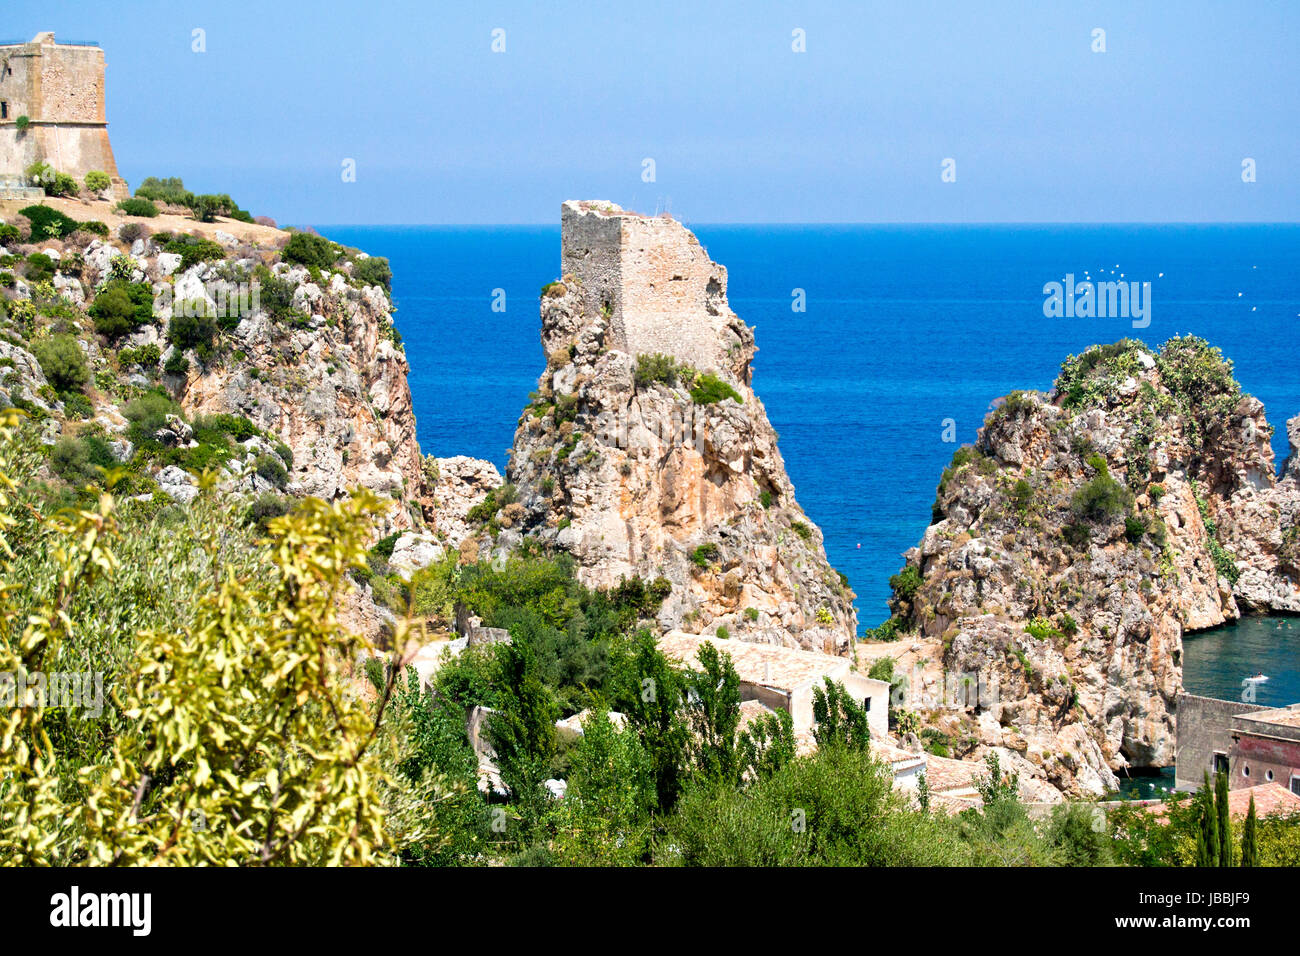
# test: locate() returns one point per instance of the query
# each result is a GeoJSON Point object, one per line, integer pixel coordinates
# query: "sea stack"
{"type": "Point", "coordinates": [1072, 547]}
{"type": "Point", "coordinates": [646, 452]}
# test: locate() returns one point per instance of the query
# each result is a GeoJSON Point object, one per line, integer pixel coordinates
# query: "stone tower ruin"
{"type": "Point", "coordinates": [656, 284]}
{"type": "Point", "coordinates": [52, 110]}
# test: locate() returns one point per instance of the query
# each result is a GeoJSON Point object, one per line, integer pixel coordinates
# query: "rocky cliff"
{"type": "Point", "coordinates": [332, 386]}
{"type": "Point", "coordinates": [249, 358]}
{"type": "Point", "coordinates": [645, 450]}
{"type": "Point", "coordinates": [1072, 547]}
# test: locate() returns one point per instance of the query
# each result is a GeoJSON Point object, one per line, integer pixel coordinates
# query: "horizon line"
{"type": "Point", "coordinates": [861, 222]}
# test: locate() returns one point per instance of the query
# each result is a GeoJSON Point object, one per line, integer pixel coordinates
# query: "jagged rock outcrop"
{"type": "Point", "coordinates": [646, 451]}
{"type": "Point", "coordinates": [1291, 467]}
{"type": "Point", "coordinates": [1082, 536]}
{"type": "Point", "coordinates": [460, 484]}
{"type": "Point", "coordinates": [334, 390]}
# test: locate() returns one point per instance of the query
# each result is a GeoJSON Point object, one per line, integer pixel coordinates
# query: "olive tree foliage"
{"type": "Point", "coordinates": [234, 737]}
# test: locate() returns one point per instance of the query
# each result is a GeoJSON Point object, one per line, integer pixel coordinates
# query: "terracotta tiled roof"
{"type": "Point", "coordinates": [1271, 799]}
{"type": "Point", "coordinates": [946, 774]}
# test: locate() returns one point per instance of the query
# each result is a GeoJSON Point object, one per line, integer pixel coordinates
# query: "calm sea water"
{"type": "Point", "coordinates": [905, 327]}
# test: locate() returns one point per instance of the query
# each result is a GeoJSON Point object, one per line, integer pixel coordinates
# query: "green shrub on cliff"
{"type": "Point", "coordinates": [62, 361]}
{"type": "Point", "coordinates": [906, 583]}
{"type": "Point", "coordinates": [48, 223]}
{"type": "Point", "coordinates": [137, 206]}
{"type": "Point", "coordinates": [1101, 499]}
{"type": "Point", "coordinates": [197, 332]}
{"type": "Point", "coordinates": [1201, 381]}
{"type": "Point", "coordinates": [658, 368]}
{"type": "Point", "coordinates": [708, 388]}
{"type": "Point", "coordinates": [38, 268]}
{"type": "Point", "coordinates": [309, 250]}
{"type": "Point", "coordinates": [705, 554]}
{"type": "Point", "coordinates": [1092, 375]}
{"type": "Point", "coordinates": [81, 460]}
{"type": "Point", "coordinates": [373, 270]}
{"type": "Point", "coordinates": [121, 307]}
{"type": "Point", "coordinates": [194, 249]}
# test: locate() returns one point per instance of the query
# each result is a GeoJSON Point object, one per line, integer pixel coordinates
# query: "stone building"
{"type": "Point", "coordinates": [52, 110]}
{"type": "Point", "coordinates": [1253, 746]}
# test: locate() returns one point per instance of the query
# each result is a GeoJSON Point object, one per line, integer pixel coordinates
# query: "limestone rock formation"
{"type": "Point", "coordinates": [460, 484]}
{"type": "Point", "coordinates": [1291, 467]}
{"type": "Point", "coordinates": [334, 390]}
{"type": "Point", "coordinates": [1082, 536]}
{"type": "Point", "coordinates": [646, 451]}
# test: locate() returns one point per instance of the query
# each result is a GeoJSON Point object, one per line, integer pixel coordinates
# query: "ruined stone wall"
{"type": "Point", "coordinates": [664, 293]}
{"type": "Point", "coordinates": [590, 249]}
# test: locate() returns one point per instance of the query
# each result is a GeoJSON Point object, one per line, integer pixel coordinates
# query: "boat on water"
{"type": "Point", "coordinates": [1257, 679]}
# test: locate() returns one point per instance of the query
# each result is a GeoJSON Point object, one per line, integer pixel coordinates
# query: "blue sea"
{"type": "Point", "coordinates": [905, 327]}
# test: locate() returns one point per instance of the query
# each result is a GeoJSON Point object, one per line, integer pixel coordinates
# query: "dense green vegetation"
{"type": "Point", "coordinates": [204, 207]}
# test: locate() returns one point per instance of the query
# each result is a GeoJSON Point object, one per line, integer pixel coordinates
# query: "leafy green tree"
{"type": "Point", "coordinates": [240, 744]}
{"type": "Point", "coordinates": [604, 819]}
{"type": "Point", "coordinates": [522, 730]}
{"type": "Point", "coordinates": [767, 745]}
{"type": "Point", "coordinates": [840, 721]}
{"type": "Point", "coordinates": [836, 807]}
{"type": "Point", "coordinates": [651, 693]}
{"type": "Point", "coordinates": [1001, 832]}
{"type": "Point", "coordinates": [169, 190]}
{"type": "Point", "coordinates": [1207, 837]}
{"type": "Point", "coordinates": [432, 756]}
{"type": "Point", "coordinates": [1078, 832]}
{"type": "Point", "coordinates": [713, 708]}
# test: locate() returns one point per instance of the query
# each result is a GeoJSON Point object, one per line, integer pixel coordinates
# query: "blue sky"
{"type": "Point", "coordinates": [740, 127]}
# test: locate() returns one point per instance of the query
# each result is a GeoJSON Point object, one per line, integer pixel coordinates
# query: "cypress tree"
{"type": "Point", "coordinates": [1250, 838]}
{"type": "Point", "coordinates": [1225, 826]}
{"type": "Point", "coordinates": [1207, 837]}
